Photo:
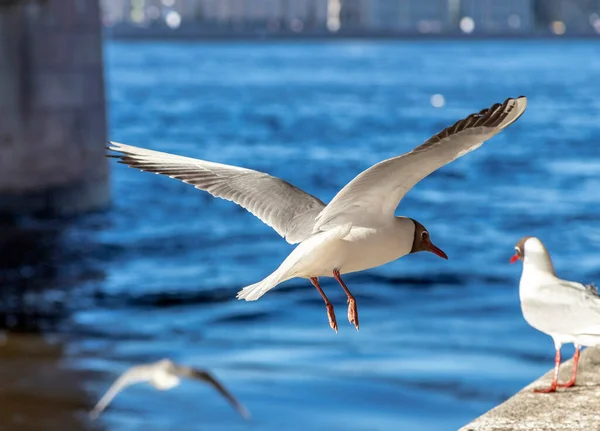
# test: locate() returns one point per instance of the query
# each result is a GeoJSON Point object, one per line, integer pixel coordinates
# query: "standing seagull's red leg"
{"type": "Point", "coordinates": [574, 375]}
{"type": "Point", "coordinates": [352, 311]}
{"type": "Point", "coordinates": [329, 305]}
{"type": "Point", "coordinates": [554, 384]}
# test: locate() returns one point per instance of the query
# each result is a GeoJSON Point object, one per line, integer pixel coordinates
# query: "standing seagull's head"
{"type": "Point", "coordinates": [520, 249]}
{"type": "Point", "coordinates": [422, 242]}
{"type": "Point", "coordinates": [531, 251]}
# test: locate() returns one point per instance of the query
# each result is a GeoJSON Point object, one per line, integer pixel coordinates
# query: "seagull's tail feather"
{"type": "Point", "coordinates": [289, 268]}
{"type": "Point", "coordinates": [256, 290]}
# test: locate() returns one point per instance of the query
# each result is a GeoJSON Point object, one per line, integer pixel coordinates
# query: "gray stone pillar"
{"type": "Point", "coordinates": [52, 108]}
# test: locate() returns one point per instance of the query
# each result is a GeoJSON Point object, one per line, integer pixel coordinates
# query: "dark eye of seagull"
{"type": "Point", "coordinates": [424, 235]}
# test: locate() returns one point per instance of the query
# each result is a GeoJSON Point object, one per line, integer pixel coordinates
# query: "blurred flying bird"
{"type": "Point", "coordinates": [567, 311]}
{"type": "Point", "coordinates": [357, 230]}
{"type": "Point", "coordinates": [163, 375]}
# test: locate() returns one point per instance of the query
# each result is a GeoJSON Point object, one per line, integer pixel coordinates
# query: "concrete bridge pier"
{"type": "Point", "coordinates": [52, 108]}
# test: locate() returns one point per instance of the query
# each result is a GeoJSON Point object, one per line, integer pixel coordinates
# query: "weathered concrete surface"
{"type": "Point", "coordinates": [576, 408]}
{"type": "Point", "coordinates": [52, 108]}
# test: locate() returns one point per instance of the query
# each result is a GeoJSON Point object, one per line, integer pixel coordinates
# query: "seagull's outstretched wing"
{"type": "Point", "coordinates": [136, 374]}
{"type": "Point", "coordinates": [279, 204]}
{"type": "Point", "coordinates": [205, 376]}
{"type": "Point", "coordinates": [375, 193]}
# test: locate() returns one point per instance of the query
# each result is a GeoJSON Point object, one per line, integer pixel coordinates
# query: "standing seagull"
{"type": "Point", "coordinates": [163, 375]}
{"type": "Point", "coordinates": [567, 311]}
{"type": "Point", "coordinates": [358, 229]}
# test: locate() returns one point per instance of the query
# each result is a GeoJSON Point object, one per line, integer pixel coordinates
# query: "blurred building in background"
{"type": "Point", "coordinates": [493, 17]}
{"type": "Point", "coordinates": [410, 16]}
{"type": "Point", "coordinates": [213, 15]}
{"type": "Point", "coordinates": [354, 17]}
{"type": "Point", "coordinates": [569, 16]}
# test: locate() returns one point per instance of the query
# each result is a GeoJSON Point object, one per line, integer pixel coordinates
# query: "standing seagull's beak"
{"type": "Point", "coordinates": [515, 258]}
{"type": "Point", "coordinates": [432, 248]}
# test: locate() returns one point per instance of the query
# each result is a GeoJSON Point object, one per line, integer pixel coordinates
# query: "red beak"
{"type": "Point", "coordinates": [435, 250]}
{"type": "Point", "coordinates": [514, 258]}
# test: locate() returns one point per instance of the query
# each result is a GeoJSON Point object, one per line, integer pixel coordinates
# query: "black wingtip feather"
{"type": "Point", "coordinates": [488, 117]}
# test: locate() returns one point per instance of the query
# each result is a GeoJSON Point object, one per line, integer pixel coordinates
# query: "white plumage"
{"type": "Point", "coordinates": [357, 230]}
{"type": "Point", "coordinates": [163, 375]}
{"type": "Point", "coordinates": [567, 311]}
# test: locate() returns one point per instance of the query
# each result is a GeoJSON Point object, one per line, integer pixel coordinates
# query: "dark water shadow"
{"type": "Point", "coordinates": [41, 275]}
{"type": "Point", "coordinates": [44, 270]}
{"type": "Point", "coordinates": [28, 273]}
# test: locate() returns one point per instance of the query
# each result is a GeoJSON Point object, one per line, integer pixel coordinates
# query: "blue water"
{"type": "Point", "coordinates": [440, 341]}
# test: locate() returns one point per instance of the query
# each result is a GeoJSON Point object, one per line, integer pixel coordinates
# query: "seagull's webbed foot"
{"type": "Point", "coordinates": [568, 384]}
{"type": "Point", "coordinates": [328, 304]}
{"type": "Point", "coordinates": [352, 309]}
{"type": "Point", "coordinates": [352, 312]}
{"type": "Point", "coordinates": [574, 373]}
{"type": "Point", "coordinates": [551, 388]}
{"type": "Point", "coordinates": [331, 317]}
{"type": "Point", "coordinates": [554, 384]}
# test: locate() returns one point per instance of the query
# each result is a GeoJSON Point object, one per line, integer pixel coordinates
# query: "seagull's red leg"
{"type": "Point", "coordinates": [329, 305]}
{"type": "Point", "coordinates": [554, 384]}
{"type": "Point", "coordinates": [574, 375]}
{"type": "Point", "coordinates": [352, 310]}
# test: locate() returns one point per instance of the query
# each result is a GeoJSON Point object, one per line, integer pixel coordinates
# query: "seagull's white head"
{"type": "Point", "coordinates": [422, 241]}
{"type": "Point", "coordinates": [531, 250]}
{"type": "Point", "coordinates": [164, 363]}
{"type": "Point", "coordinates": [164, 377]}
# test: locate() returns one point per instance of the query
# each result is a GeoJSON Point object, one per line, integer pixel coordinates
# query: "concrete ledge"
{"type": "Point", "coordinates": [576, 408]}
{"type": "Point", "coordinates": [52, 115]}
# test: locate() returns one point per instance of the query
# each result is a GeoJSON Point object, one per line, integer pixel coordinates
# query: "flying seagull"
{"type": "Point", "coordinates": [164, 375]}
{"type": "Point", "coordinates": [567, 311]}
{"type": "Point", "coordinates": [357, 230]}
